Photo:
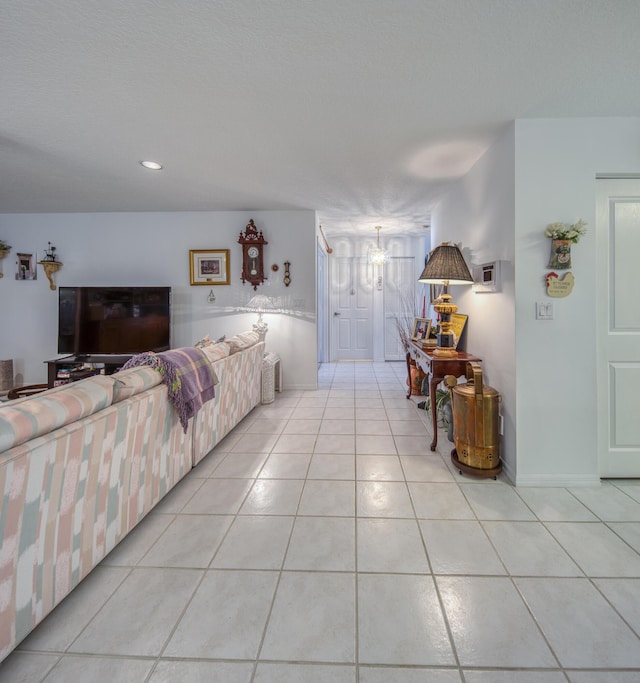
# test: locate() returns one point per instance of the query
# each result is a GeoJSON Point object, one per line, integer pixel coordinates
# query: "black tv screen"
{"type": "Point", "coordinates": [113, 320]}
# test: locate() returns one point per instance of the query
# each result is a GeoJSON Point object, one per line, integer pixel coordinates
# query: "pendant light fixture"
{"type": "Point", "coordinates": [377, 255]}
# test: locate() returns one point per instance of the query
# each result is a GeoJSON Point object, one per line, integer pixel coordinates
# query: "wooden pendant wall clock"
{"type": "Point", "coordinates": [252, 241]}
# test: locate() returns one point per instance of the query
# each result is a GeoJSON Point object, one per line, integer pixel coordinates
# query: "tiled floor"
{"type": "Point", "coordinates": [322, 542]}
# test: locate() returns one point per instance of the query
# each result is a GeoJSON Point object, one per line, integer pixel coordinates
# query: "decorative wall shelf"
{"type": "Point", "coordinates": [50, 268]}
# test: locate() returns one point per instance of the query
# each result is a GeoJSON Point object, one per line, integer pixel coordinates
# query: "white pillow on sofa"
{"type": "Point", "coordinates": [242, 341]}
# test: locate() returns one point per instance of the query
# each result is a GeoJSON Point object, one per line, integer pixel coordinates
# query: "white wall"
{"type": "Point", "coordinates": [556, 166]}
{"type": "Point", "coordinates": [479, 213]}
{"type": "Point", "coordinates": [153, 249]}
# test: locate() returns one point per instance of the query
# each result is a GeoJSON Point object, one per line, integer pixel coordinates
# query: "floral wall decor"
{"type": "Point", "coordinates": [562, 236]}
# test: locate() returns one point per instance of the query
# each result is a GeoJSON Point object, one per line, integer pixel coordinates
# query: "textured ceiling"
{"type": "Point", "coordinates": [363, 110]}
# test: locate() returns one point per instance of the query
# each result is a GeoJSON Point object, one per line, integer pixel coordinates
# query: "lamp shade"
{"type": "Point", "coordinates": [446, 264]}
{"type": "Point", "coordinates": [260, 303]}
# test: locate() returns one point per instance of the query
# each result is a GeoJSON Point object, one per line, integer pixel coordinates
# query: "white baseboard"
{"type": "Point", "coordinates": [560, 480]}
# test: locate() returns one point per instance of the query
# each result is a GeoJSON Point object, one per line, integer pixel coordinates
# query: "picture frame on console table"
{"type": "Point", "coordinates": [458, 322]}
{"type": "Point", "coordinates": [209, 267]}
{"type": "Point", "coordinates": [421, 329]}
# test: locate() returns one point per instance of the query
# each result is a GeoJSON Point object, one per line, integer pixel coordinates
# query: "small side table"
{"type": "Point", "coordinates": [271, 377]}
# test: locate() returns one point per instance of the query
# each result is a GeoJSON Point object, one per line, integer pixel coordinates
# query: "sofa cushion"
{"type": "Point", "coordinates": [32, 417]}
{"type": "Point", "coordinates": [217, 351]}
{"type": "Point", "coordinates": [134, 381]}
{"type": "Point", "coordinates": [242, 341]}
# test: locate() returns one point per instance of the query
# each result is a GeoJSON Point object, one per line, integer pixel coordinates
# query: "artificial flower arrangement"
{"type": "Point", "coordinates": [564, 231]}
{"type": "Point", "coordinates": [4, 246]}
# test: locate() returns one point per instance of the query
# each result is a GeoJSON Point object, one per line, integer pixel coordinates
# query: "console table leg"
{"type": "Point", "coordinates": [433, 383]}
{"type": "Point", "coordinates": [409, 375]}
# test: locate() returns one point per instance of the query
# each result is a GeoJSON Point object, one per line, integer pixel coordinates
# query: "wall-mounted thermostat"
{"type": "Point", "coordinates": [486, 277]}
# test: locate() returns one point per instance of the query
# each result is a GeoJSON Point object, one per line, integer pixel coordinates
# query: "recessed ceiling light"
{"type": "Point", "coordinates": [151, 165]}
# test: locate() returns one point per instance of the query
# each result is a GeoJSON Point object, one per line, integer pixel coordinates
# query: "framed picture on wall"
{"type": "Point", "coordinates": [25, 267]}
{"type": "Point", "coordinates": [209, 267]}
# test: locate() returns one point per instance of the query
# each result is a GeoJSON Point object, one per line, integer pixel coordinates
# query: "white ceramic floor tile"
{"type": "Point", "coordinates": [68, 619]}
{"type": "Point", "coordinates": [379, 468]}
{"type": "Point", "coordinates": [596, 549]}
{"type": "Point", "coordinates": [609, 503]}
{"type": "Point", "coordinates": [333, 426]}
{"type": "Point", "coordinates": [226, 617]}
{"type": "Point", "coordinates": [99, 670]}
{"type": "Point", "coordinates": [581, 627]}
{"type": "Point", "coordinates": [134, 621]}
{"type": "Point", "coordinates": [189, 541]}
{"type": "Point", "coordinates": [414, 428]}
{"type": "Point", "coordinates": [459, 547]}
{"type": "Point", "coordinates": [429, 468]}
{"type": "Point", "coordinates": [370, 444]}
{"type": "Point", "coordinates": [285, 466]}
{"type": "Point", "coordinates": [335, 443]}
{"type": "Point", "coordinates": [171, 671]}
{"type": "Point", "coordinates": [528, 549]}
{"type": "Point", "coordinates": [26, 667]}
{"type": "Point", "coordinates": [376, 427]}
{"type": "Point", "coordinates": [295, 443]}
{"type": "Point", "coordinates": [266, 426]}
{"type": "Point", "coordinates": [341, 404]}
{"type": "Point", "coordinates": [496, 502]}
{"type": "Point", "coordinates": [629, 532]}
{"type": "Point", "coordinates": [390, 674]}
{"type": "Point", "coordinates": [254, 443]}
{"type": "Point", "coordinates": [270, 672]}
{"type": "Point", "coordinates": [273, 497]}
{"type": "Point", "coordinates": [218, 497]}
{"type": "Point", "coordinates": [383, 499]}
{"type": "Point", "coordinates": [179, 495]}
{"type": "Point", "coordinates": [302, 427]}
{"type": "Point", "coordinates": [133, 547]}
{"type": "Point", "coordinates": [400, 621]}
{"type": "Point", "coordinates": [208, 464]}
{"type": "Point", "coordinates": [555, 505]}
{"type": "Point", "coordinates": [364, 412]}
{"type": "Point", "coordinates": [413, 445]}
{"type": "Point", "coordinates": [491, 625]}
{"type": "Point", "coordinates": [323, 544]}
{"type": "Point", "coordinates": [439, 501]}
{"type": "Point", "coordinates": [407, 414]}
{"type": "Point", "coordinates": [315, 413]}
{"type": "Point", "coordinates": [624, 595]}
{"type": "Point", "coordinates": [313, 618]}
{"type": "Point", "coordinates": [254, 542]}
{"type": "Point", "coordinates": [329, 466]}
{"type": "Point", "coordinates": [391, 545]}
{"type": "Point", "coordinates": [240, 465]}
{"type": "Point", "coordinates": [309, 401]}
{"type": "Point", "coordinates": [332, 498]}
{"type": "Point", "coordinates": [513, 676]}
{"type": "Point", "coordinates": [603, 676]}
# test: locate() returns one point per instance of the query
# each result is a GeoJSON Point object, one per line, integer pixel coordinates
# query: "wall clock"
{"type": "Point", "coordinates": [252, 241]}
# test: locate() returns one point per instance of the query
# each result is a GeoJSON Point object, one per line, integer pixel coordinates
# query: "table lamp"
{"type": "Point", "coordinates": [446, 266]}
{"type": "Point", "coordinates": [260, 303]}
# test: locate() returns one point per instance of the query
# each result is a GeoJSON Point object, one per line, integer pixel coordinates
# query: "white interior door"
{"type": "Point", "coordinates": [618, 365]}
{"type": "Point", "coordinates": [352, 298]}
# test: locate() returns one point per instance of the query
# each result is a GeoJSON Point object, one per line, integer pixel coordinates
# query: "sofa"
{"type": "Point", "coordinates": [82, 464]}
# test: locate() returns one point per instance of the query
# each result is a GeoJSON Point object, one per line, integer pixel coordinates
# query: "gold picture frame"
{"type": "Point", "coordinates": [458, 322]}
{"type": "Point", "coordinates": [209, 267]}
{"type": "Point", "coordinates": [421, 329]}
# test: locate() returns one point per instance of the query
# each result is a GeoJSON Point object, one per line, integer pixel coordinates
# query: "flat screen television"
{"type": "Point", "coordinates": [113, 320]}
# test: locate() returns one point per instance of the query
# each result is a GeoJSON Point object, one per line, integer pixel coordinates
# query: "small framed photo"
{"type": "Point", "coordinates": [26, 267]}
{"type": "Point", "coordinates": [209, 267]}
{"type": "Point", "coordinates": [458, 322]}
{"type": "Point", "coordinates": [421, 329]}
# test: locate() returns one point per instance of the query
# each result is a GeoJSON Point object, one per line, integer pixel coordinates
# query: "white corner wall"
{"type": "Point", "coordinates": [479, 212]}
{"type": "Point", "coordinates": [153, 249]}
{"type": "Point", "coordinates": [557, 161]}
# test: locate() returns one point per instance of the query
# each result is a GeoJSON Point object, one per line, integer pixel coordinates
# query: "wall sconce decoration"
{"type": "Point", "coordinates": [50, 264]}
{"type": "Point", "coordinates": [4, 250]}
{"type": "Point", "coordinates": [287, 274]}
{"type": "Point", "coordinates": [562, 236]}
{"type": "Point", "coordinates": [212, 297]}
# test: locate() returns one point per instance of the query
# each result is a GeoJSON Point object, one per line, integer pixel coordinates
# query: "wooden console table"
{"type": "Point", "coordinates": [437, 368]}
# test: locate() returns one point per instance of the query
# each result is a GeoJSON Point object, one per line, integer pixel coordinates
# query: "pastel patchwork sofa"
{"type": "Point", "coordinates": [82, 464]}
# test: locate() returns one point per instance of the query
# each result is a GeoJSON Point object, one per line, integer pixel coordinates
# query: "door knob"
{"type": "Point", "coordinates": [336, 313]}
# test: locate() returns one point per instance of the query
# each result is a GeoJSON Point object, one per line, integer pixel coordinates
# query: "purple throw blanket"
{"type": "Point", "coordinates": [188, 374]}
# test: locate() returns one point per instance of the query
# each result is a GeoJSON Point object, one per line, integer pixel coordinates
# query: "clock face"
{"type": "Point", "coordinates": [253, 252]}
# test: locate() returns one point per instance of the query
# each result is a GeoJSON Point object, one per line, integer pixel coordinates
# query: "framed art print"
{"type": "Point", "coordinates": [209, 267]}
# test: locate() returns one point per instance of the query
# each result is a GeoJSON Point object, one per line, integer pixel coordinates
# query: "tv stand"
{"type": "Point", "coordinates": [68, 368]}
